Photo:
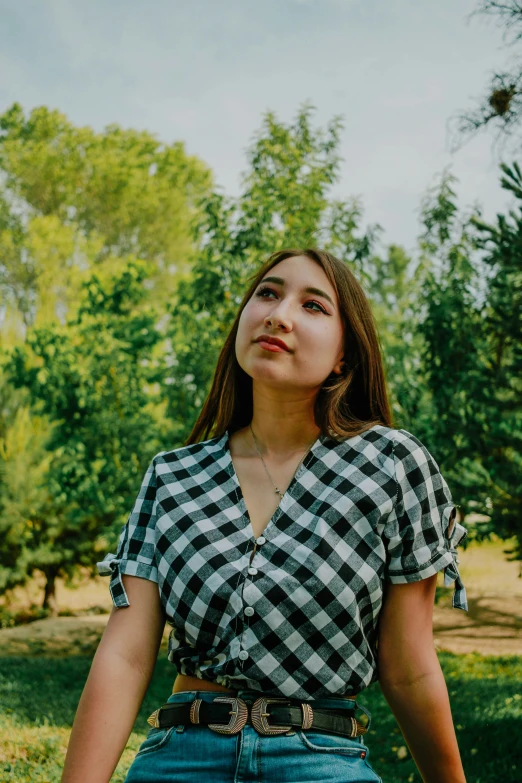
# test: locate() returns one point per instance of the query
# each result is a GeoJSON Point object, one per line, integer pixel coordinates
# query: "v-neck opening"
{"type": "Point", "coordinates": [241, 498]}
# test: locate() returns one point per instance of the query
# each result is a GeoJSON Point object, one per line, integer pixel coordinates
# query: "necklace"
{"type": "Point", "coordinates": [278, 491]}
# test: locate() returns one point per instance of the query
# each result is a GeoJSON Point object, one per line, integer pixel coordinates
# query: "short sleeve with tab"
{"type": "Point", "coordinates": [135, 554]}
{"type": "Point", "coordinates": [421, 532]}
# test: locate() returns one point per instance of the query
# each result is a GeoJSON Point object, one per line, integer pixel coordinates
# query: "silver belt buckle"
{"type": "Point", "coordinates": [238, 713]}
{"type": "Point", "coordinates": [259, 716]}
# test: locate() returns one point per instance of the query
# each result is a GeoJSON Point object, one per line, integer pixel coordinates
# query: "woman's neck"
{"type": "Point", "coordinates": [282, 438]}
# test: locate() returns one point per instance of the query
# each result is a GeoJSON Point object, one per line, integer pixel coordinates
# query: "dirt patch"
{"type": "Point", "coordinates": [491, 626]}
{"type": "Point", "coordinates": [54, 636]}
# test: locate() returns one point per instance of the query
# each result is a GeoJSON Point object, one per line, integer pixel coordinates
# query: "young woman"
{"type": "Point", "coordinates": [293, 545]}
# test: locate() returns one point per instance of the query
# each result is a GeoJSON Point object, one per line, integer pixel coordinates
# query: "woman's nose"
{"type": "Point", "coordinates": [281, 312]}
{"type": "Point", "coordinates": [277, 320]}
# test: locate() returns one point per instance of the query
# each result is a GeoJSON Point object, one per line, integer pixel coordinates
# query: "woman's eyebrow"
{"type": "Point", "coordinates": [309, 289]}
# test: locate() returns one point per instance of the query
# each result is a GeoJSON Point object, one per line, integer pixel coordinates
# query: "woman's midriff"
{"type": "Point", "coordinates": [184, 682]}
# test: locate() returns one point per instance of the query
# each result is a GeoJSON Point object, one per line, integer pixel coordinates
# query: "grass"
{"type": "Point", "coordinates": [39, 697]}
{"type": "Point", "coordinates": [43, 671]}
{"type": "Point", "coordinates": [486, 702]}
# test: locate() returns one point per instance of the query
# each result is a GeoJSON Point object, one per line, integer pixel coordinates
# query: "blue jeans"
{"type": "Point", "coordinates": [197, 754]}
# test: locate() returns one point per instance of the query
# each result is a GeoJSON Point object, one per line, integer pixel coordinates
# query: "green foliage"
{"type": "Point", "coordinates": [77, 209]}
{"type": "Point", "coordinates": [471, 323]}
{"type": "Point", "coordinates": [24, 462]}
{"type": "Point", "coordinates": [124, 185]}
{"type": "Point", "coordinates": [95, 379]}
{"type": "Point", "coordinates": [70, 198]}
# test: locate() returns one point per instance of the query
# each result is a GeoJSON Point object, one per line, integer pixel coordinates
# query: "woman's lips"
{"type": "Point", "coordinates": [270, 346]}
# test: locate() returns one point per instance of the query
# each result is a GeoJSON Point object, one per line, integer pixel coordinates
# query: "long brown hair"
{"type": "Point", "coordinates": [347, 404]}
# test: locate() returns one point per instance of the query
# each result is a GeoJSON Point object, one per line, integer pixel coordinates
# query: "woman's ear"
{"type": "Point", "coordinates": [338, 368]}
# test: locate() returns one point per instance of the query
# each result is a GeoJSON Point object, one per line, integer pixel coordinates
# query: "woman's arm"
{"type": "Point", "coordinates": [117, 682]}
{"type": "Point", "coordinates": [412, 681]}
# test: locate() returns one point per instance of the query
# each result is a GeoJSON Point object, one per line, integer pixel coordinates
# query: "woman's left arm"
{"type": "Point", "coordinates": [413, 683]}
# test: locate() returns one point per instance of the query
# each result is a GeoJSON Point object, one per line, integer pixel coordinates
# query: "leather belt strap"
{"type": "Point", "coordinates": [268, 715]}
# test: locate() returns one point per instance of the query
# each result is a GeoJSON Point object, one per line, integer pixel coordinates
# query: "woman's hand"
{"type": "Point", "coordinates": [117, 682]}
{"type": "Point", "coordinates": [412, 681]}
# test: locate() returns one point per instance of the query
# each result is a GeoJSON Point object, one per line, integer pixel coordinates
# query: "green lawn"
{"type": "Point", "coordinates": [39, 698]}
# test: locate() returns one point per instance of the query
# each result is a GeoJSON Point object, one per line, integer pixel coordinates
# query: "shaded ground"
{"type": "Point", "coordinates": [492, 626]}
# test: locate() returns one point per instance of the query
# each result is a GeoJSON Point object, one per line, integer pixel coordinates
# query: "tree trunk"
{"type": "Point", "coordinates": [49, 601]}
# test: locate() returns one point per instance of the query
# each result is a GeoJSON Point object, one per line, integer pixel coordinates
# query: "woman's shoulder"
{"type": "Point", "coordinates": [382, 437]}
{"type": "Point", "coordinates": [411, 450]}
{"type": "Point", "coordinates": [189, 455]}
{"type": "Point", "coordinates": [384, 448]}
{"type": "Point", "coordinates": [376, 439]}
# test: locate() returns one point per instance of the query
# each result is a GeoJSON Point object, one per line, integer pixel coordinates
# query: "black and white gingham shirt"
{"type": "Point", "coordinates": [300, 619]}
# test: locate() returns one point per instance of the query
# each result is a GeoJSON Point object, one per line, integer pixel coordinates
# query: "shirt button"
{"type": "Point", "coordinates": [260, 540]}
{"type": "Point", "coordinates": [249, 611]}
{"type": "Point", "coordinates": [252, 570]}
{"type": "Point", "coordinates": [243, 655]}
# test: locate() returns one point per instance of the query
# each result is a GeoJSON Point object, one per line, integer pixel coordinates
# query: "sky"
{"type": "Point", "coordinates": [205, 72]}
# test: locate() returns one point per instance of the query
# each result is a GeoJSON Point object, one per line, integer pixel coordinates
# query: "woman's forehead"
{"type": "Point", "coordinates": [300, 271]}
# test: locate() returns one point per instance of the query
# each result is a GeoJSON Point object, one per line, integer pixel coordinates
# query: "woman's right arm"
{"type": "Point", "coordinates": [120, 674]}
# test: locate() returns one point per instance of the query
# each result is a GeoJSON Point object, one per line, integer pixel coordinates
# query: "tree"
{"type": "Point", "coordinates": [124, 188]}
{"type": "Point", "coordinates": [24, 462]}
{"type": "Point", "coordinates": [470, 319]}
{"type": "Point", "coordinates": [95, 379]}
{"type": "Point", "coordinates": [502, 443]}
{"type": "Point", "coordinates": [501, 107]}
{"type": "Point", "coordinates": [76, 207]}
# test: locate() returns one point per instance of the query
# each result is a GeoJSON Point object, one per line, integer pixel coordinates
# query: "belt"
{"type": "Point", "coordinates": [228, 715]}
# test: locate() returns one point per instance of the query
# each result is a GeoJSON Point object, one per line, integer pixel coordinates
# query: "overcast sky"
{"type": "Point", "coordinates": [204, 71]}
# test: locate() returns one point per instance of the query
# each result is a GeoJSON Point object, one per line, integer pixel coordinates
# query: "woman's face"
{"type": "Point", "coordinates": [308, 322]}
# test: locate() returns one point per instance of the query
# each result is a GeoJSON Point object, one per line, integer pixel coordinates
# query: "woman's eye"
{"type": "Point", "coordinates": [262, 291]}
{"type": "Point", "coordinates": [318, 305]}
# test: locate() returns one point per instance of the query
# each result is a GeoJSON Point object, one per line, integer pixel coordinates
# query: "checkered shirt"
{"type": "Point", "coordinates": [300, 620]}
